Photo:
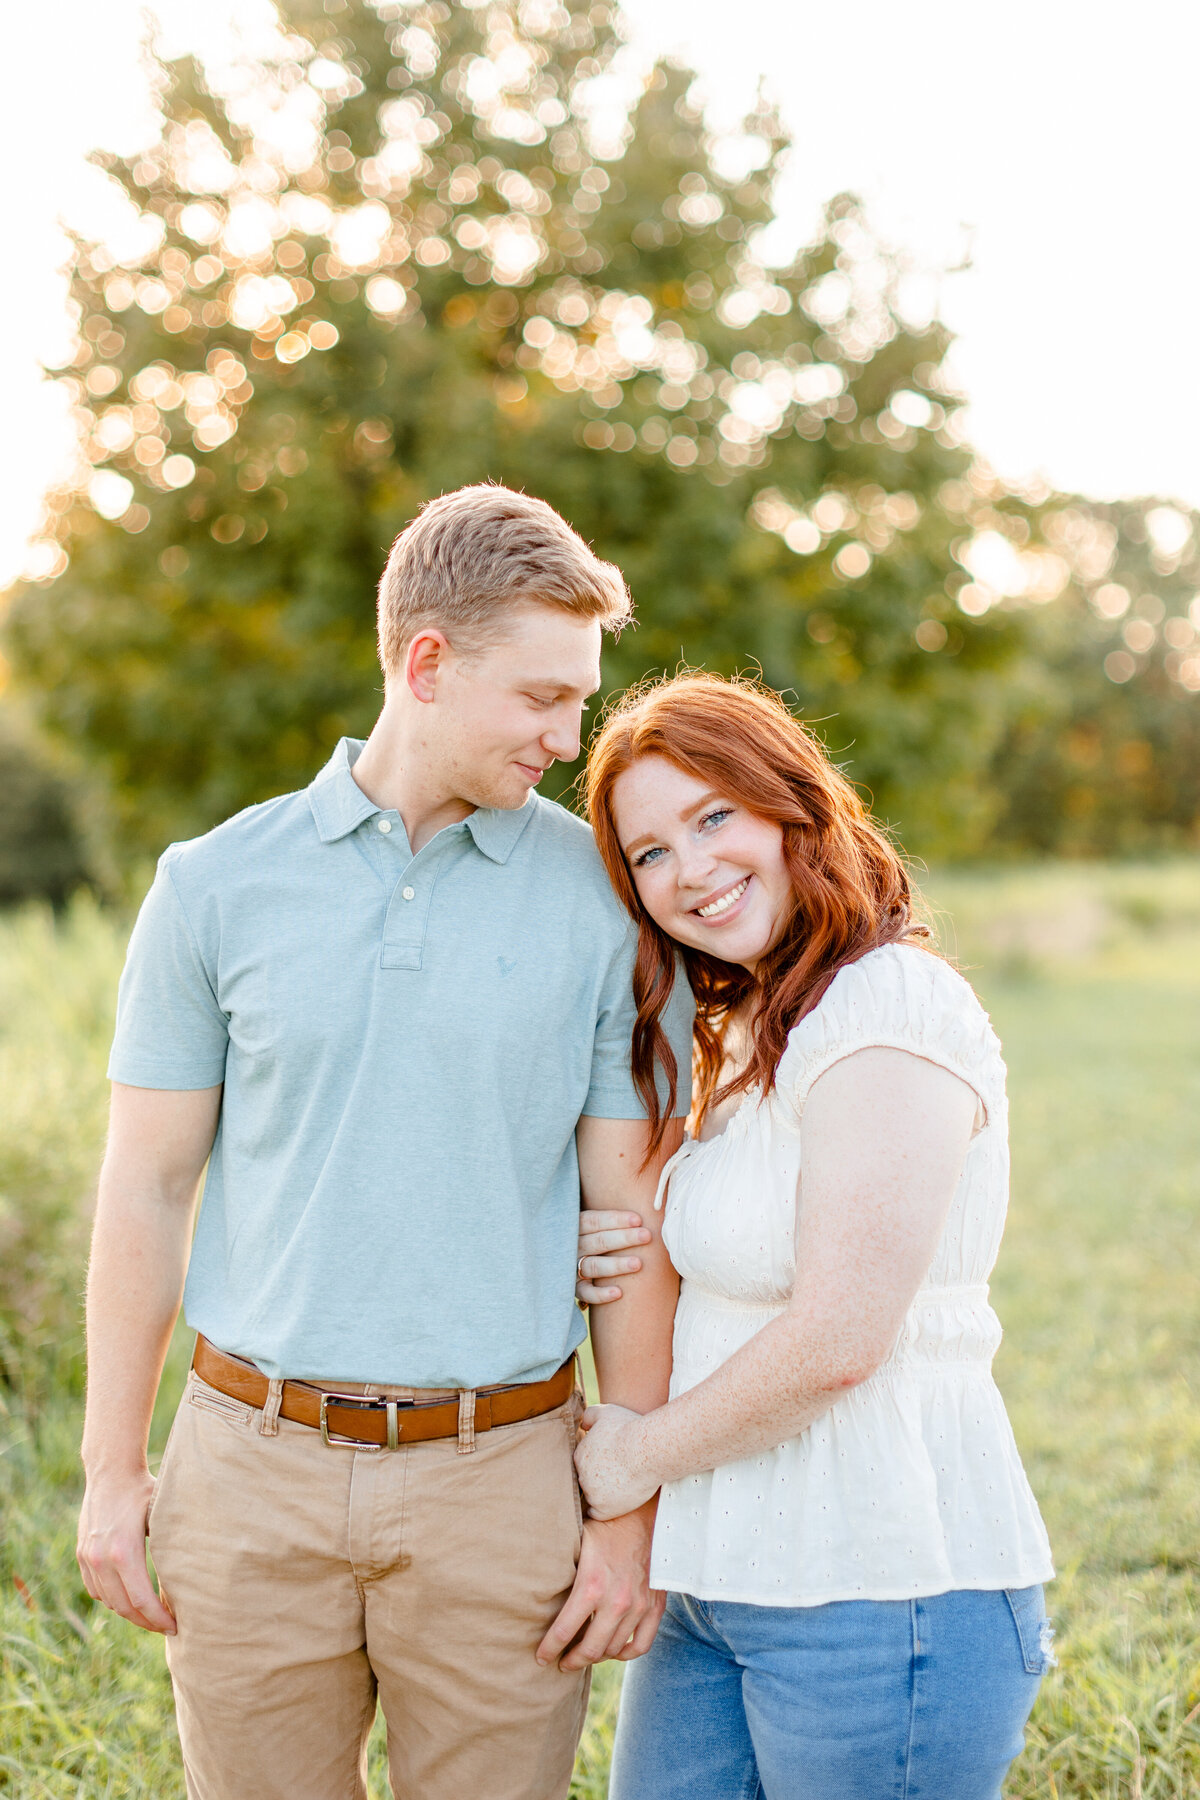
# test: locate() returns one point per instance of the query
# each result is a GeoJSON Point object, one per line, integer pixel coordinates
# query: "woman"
{"type": "Point", "coordinates": [852, 1554]}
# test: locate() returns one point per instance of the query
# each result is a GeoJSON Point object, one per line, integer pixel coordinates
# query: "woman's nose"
{"type": "Point", "coordinates": [696, 866]}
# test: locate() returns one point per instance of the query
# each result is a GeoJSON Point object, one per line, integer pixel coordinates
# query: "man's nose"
{"type": "Point", "coordinates": [564, 739]}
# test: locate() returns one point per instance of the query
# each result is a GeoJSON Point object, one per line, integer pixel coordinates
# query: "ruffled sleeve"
{"type": "Point", "coordinates": [896, 998]}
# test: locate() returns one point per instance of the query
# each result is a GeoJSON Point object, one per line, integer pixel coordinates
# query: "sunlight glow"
{"type": "Point", "coordinates": [1073, 364]}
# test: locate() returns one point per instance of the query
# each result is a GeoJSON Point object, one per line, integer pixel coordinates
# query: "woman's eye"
{"type": "Point", "coordinates": [716, 816]}
{"type": "Point", "coordinates": [646, 858]}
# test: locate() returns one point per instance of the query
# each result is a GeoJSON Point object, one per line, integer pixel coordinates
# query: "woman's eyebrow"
{"type": "Point", "coordinates": [704, 799]}
{"type": "Point", "coordinates": [649, 838]}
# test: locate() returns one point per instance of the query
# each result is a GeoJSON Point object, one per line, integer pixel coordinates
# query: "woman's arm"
{"type": "Point", "coordinates": [883, 1139]}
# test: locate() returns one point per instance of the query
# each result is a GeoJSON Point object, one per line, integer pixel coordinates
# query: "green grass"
{"type": "Point", "coordinates": [1092, 976]}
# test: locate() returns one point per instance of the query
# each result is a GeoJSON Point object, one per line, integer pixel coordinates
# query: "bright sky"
{"type": "Point", "coordinates": [1053, 143]}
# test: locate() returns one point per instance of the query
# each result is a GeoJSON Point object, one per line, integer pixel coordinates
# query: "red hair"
{"type": "Point", "coordinates": [850, 890]}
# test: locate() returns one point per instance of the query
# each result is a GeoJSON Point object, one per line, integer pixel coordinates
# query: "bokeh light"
{"type": "Point", "coordinates": [111, 494]}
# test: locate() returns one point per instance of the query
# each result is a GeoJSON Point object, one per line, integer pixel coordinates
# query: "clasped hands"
{"type": "Point", "coordinates": [612, 1461]}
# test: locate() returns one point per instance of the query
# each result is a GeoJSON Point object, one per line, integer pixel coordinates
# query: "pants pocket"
{"type": "Point", "coordinates": [211, 1400]}
{"type": "Point", "coordinates": [163, 1485]}
{"type": "Point", "coordinates": [163, 1461]}
{"type": "Point", "coordinates": [571, 1418]}
{"type": "Point", "coordinates": [1036, 1634]}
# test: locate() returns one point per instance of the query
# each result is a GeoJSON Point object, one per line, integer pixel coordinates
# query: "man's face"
{"type": "Point", "coordinates": [504, 714]}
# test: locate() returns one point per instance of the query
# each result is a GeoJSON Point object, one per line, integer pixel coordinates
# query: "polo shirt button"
{"type": "Point", "coordinates": [385, 825]}
{"type": "Point", "coordinates": [409, 893]}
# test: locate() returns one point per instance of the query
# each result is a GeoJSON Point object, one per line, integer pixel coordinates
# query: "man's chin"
{"type": "Point", "coordinates": [508, 794]}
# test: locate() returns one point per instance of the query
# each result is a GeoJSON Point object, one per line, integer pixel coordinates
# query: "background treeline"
{"type": "Point", "coordinates": [395, 252]}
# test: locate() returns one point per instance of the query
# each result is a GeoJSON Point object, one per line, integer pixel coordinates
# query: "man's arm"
{"type": "Point", "coordinates": [631, 1340]}
{"type": "Point", "coordinates": [158, 1144]}
{"type": "Point", "coordinates": [631, 1337]}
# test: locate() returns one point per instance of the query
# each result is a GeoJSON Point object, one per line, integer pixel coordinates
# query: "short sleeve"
{"type": "Point", "coordinates": [171, 1032]}
{"type": "Point", "coordinates": [896, 998]}
{"type": "Point", "coordinates": [612, 1094]}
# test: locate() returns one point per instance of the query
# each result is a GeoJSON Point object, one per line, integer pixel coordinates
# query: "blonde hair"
{"type": "Point", "coordinates": [471, 555]}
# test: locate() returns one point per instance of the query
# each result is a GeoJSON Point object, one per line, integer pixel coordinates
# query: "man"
{"type": "Point", "coordinates": [393, 1015]}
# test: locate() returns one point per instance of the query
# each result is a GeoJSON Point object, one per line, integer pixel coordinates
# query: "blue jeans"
{"type": "Point", "coordinates": [854, 1700]}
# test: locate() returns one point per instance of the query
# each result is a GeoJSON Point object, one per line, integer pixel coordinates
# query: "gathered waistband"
{"type": "Point", "coordinates": [694, 1291]}
{"type": "Point", "coordinates": [943, 1325]}
{"type": "Point", "coordinates": [953, 1292]}
{"type": "Point", "coordinates": [964, 1293]}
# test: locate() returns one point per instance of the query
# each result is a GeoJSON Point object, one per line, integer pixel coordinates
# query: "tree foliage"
{"type": "Point", "coordinates": [389, 255]}
{"type": "Point", "coordinates": [1101, 755]}
{"type": "Point", "coordinates": [41, 852]}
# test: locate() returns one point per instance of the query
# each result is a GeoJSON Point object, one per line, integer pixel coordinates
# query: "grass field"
{"type": "Point", "coordinates": [1092, 976]}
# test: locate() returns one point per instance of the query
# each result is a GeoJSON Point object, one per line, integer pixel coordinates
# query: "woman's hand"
{"type": "Point", "coordinates": [611, 1462]}
{"type": "Point", "coordinates": [601, 1236]}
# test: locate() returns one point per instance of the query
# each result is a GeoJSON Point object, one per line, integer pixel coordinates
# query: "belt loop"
{"type": "Point", "coordinates": [268, 1425]}
{"type": "Point", "coordinates": [466, 1421]}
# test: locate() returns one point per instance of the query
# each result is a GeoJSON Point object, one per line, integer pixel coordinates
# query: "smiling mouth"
{"type": "Point", "coordinates": [713, 909]}
{"type": "Point", "coordinates": [529, 769]}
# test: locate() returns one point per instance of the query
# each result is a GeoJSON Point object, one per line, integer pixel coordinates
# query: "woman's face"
{"type": "Point", "coordinates": [709, 872]}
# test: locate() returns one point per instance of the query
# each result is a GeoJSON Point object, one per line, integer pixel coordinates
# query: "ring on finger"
{"type": "Point", "coordinates": [579, 1274]}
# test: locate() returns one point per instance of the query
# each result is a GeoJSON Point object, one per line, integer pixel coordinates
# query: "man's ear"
{"type": "Point", "coordinates": [423, 662]}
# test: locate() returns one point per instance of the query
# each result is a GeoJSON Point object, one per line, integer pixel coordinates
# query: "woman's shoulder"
{"type": "Point", "coordinates": [902, 997]}
{"type": "Point", "coordinates": [898, 977]}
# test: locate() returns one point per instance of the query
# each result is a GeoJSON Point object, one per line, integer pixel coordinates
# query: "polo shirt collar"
{"type": "Point", "coordinates": [496, 829]}
{"type": "Point", "coordinates": [339, 806]}
{"type": "Point", "coordinates": [338, 803]}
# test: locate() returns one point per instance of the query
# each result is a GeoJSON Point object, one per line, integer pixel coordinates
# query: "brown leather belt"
{"type": "Point", "coordinates": [369, 1420]}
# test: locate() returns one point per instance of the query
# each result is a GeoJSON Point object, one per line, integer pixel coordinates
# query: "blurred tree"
{"type": "Point", "coordinates": [394, 253]}
{"type": "Point", "coordinates": [389, 260]}
{"type": "Point", "coordinates": [41, 855]}
{"type": "Point", "coordinates": [1102, 755]}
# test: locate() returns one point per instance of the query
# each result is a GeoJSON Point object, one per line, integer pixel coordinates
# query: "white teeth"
{"type": "Point", "coordinates": [725, 902]}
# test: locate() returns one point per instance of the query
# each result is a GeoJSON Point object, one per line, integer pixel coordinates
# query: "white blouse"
{"type": "Point", "coordinates": [911, 1483]}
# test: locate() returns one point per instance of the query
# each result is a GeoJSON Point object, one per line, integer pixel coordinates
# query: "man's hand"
{"type": "Point", "coordinates": [612, 1590]}
{"type": "Point", "coordinates": [111, 1551]}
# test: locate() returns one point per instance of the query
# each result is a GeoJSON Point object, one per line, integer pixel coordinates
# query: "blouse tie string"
{"type": "Point", "coordinates": [668, 1169]}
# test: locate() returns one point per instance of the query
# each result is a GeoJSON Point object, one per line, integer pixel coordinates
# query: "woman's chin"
{"type": "Point", "coordinates": [731, 943]}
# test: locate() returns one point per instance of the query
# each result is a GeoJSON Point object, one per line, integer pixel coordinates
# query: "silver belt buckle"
{"type": "Point", "coordinates": [362, 1403]}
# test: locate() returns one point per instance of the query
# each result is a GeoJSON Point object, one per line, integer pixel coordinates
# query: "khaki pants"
{"type": "Point", "coordinates": [308, 1579]}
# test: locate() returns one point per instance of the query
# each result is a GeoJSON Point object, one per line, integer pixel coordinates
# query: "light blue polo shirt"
{"type": "Point", "coordinates": [407, 1044]}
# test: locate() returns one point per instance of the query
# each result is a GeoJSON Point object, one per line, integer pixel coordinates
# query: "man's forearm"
{"type": "Point", "coordinates": [611, 1602]}
{"type": "Point", "coordinates": [631, 1337]}
{"type": "Point", "coordinates": [135, 1280]}
{"type": "Point", "coordinates": [158, 1143]}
